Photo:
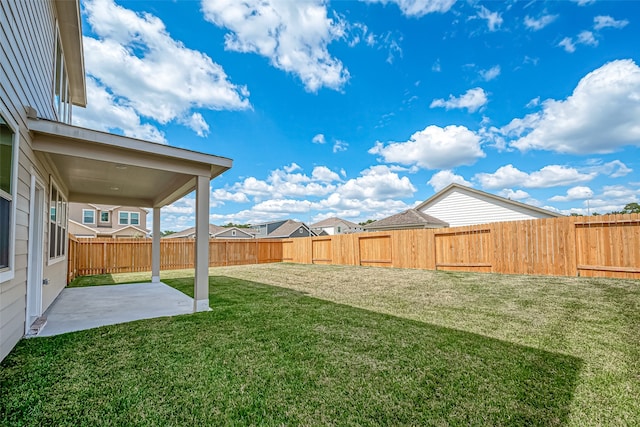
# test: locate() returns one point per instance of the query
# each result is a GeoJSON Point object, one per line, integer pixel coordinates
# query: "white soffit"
{"type": "Point", "coordinates": [99, 167]}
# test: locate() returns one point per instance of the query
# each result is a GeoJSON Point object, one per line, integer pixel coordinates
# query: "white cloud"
{"type": "Point", "coordinates": [472, 100]}
{"type": "Point", "coordinates": [584, 2]}
{"type": "Point", "coordinates": [108, 113]}
{"type": "Point", "coordinates": [540, 23]}
{"type": "Point", "coordinates": [374, 193]}
{"type": "Point", "coordinates": [197, 123]}
{"type": "Point", "coordinates": [340, 146]}
{"type": "Point", "coordinates": [567, 44]}
{"type": "Point", "coordinates": [490, 74]}
{"type": "Point", "coordinates": [601, 22]}
{"type": "Point", "coordinates": [324, 174]}
{"type": "Point", "coordinates": [549, 176]}
{"type": "Point", "coordinates": [514, 195]}
{"type": "Point", "coordinates": [600, 116]}
{"type": "Point", "coordinates": [220, 194]}
{"type": "Point", "coordinates": [434, 148]}
{"type": "Point", "coordinates": [293, 35]}
{"type": "Point", "coordinates": [584, 37]}
{"type": "Point", "coordinates": [443, 178]}
{"type": "Point", "coordinates": [418, 8]}
{"type": "Point", "coordinates": [292, 168]}
{"type": "Point", "coordinates": [587, 37]}
{"type": "Point", "coordinates": [436, 67]}
{"type": "Point", "coordinates": [613, 169]}
{"type": "Point", "coordinates": [494, 19]}
{"type": "Point", "coordinates": [377, 183]}
{"type": "Point", "coordinates": [319, 139]}
{"type": "Point", "coordinates": [148, 71]}
{"type": "Point", "coordinates": [574, 193]}
{"type": "Point", "coordinates": [533, 103]}
{"type": "Point", "coordinates": [185, 206]}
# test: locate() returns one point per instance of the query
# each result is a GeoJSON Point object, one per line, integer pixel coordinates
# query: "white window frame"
{"type": "Point", "coordinates": [131, 218]}
{"type": "Point", "coordinates": [61, 100]}
{"type": "Point", "coordinates": [108, 216]}
{"type": "Point", "coordinates": [93, 211]}
{"type": "Point", "coordinates": [62, 217]}
{"type": "Point", "coordinates": [233, 233]}
{"type": "Point", "coordinates": [128, 218]}
{"type": "Point", "coordinates": [8, 273]}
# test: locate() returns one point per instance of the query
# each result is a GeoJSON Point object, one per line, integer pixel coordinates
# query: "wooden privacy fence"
{"type": "Point", "coordinates": [607, 245]}
{"type": "Point", "coordinates": [603, 246]}
{"type": "Point", "coordinates": [106, 256]}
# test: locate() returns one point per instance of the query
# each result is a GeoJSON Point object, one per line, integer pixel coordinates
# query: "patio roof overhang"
{"type": "Point", "coordinates": [98, 167]}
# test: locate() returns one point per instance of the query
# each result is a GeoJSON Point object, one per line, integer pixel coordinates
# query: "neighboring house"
{"type": "Point", "coordinates": [283, 229]}
{"type": "Point", "coordinates": [458, 205]}
{"type": "Point", "coordinates": [334, 225]}
{"type": "Point", "coordinates": [408, 219]}
{"type": "Point", "coordinates": [215, 232]}
{"type": "Point", "coordinates": [92, 220]}
{"type": "Point", "coordinates": [46, 163]}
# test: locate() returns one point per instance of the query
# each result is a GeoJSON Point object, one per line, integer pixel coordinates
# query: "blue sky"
{"type": "Point", "coordinates": [362, 109]}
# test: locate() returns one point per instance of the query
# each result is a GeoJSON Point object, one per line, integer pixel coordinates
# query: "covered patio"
{"type": "Point", "coordinates": [99, 167]}
{"type": "Point", "coordinates": [77, 309]}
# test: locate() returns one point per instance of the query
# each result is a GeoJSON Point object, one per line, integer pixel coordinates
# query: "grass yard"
{"type": "Point", "coordinates": [330, 345]}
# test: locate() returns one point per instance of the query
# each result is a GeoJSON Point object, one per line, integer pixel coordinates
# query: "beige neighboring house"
{"type": "Point", "coordinates": [46, 163]}
{"type": "Point", "coordinates": [335, 225]}
{"type": "Point", "coordinates": [215, 232]}
{"type": "Point", "coordinates": [88, 220]}
{"type": "Point", "coordinates": [458, 205]}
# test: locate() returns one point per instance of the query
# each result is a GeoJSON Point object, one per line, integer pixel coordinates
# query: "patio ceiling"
{"type": "Point", "coordinates": [98, 167]}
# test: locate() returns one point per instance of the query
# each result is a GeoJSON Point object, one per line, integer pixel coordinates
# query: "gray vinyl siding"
{"type": "Point", "coordinates": [26, 74]}
{"type": "Point", "coordinates": [229, 235]}
{"type": "Point", "coordinates": [460, 208]}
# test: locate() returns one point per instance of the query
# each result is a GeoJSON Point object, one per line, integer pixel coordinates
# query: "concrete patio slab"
{"type": "Point", "coordinates": [77, 309]}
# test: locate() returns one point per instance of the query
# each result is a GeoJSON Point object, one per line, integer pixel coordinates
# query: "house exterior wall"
{"type": "Point", "coordinates": [76, 213]}
{"type": "Point", "coordinates": [229, 235]}
{"type": "Point", "coordinates": [80, 231]}
{"type": "Point", "coordinates": [28, 31]}
{"type": "Point", "coordinates": [115, 221]}
{"type": "Point", "coordinates": [459, 208]}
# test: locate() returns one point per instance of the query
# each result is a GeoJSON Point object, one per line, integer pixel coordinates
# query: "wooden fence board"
{"type": "Point", "coordinates": [602, 246]}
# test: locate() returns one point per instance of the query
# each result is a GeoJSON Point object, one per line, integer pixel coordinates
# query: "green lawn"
{"type": "Point", "coordinates": [325, 345]}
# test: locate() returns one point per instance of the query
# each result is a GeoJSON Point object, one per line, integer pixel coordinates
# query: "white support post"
{"type": "Point", "coordinates": [155, 247]}
{"type": "Point", "coordinates": [201, 282]}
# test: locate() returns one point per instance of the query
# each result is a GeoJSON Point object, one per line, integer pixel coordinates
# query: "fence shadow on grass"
{"type": "Point", "coordinates": [401, 371]}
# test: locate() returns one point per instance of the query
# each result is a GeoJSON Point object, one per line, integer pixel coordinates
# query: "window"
{"type": "Point", "coordinates": [126, 218]}
{"type": "Point", "coordinates": [233, 233]}
{"type": "Point", "coordinates": [88, 216]}
{"type": "Point", "coordinates": [104, 216]}
{"type": "Point", "coordinates": [8, 170]}
{"type": "Point", "coordinates": [61, 95]}
{"type": "Point", "coordinates": [300, 230]}
{"type": "Point", "coordinates": [57, 223]}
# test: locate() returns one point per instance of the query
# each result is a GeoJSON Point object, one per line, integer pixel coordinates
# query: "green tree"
{"type": "Point", "coordinates": [631, 208]}
{"type": "Point", "coordinates": [369, 221]}
{"type": "Point", "coordinates": [166, 232]}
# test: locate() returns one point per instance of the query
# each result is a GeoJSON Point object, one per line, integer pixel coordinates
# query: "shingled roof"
{"type": "Point", "coordinates": [410, 218]}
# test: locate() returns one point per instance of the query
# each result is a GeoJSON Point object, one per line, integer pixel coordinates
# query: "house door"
{"type": "Point", "coordinates": [35, 252]}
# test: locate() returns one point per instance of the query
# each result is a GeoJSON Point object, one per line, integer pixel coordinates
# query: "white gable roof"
{"type": "Point", "coordinates": [459, 205]}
